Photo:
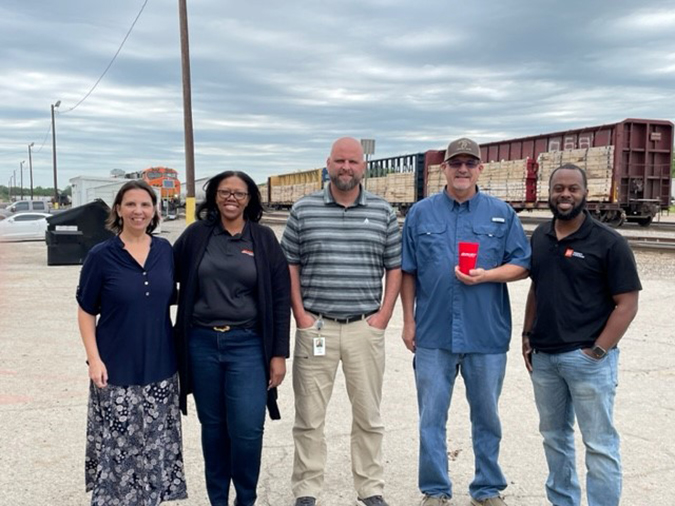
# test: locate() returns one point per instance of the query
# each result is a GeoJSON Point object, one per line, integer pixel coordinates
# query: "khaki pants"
{"type": "Point", "coordinates": [360, 347]}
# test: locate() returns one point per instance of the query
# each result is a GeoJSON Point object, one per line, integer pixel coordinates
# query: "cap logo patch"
{"type": "Point", "coordinates": [569, 253]}
{"type": "Point", "coordinates": [463, 144]}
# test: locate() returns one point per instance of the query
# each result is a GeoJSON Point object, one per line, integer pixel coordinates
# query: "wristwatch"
{"type": "Point", "coordinates": [598, 352]}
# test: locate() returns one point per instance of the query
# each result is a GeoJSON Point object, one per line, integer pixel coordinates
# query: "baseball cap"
{"type": "Point", "coordinates": [462, 146]}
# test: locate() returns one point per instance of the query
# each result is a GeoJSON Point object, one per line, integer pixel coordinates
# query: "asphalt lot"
{"type": "Point", "coordinates": [43, 396]}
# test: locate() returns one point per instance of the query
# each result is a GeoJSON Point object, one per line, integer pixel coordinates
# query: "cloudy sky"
{"type": "Point", "coordinates": [274, 83]}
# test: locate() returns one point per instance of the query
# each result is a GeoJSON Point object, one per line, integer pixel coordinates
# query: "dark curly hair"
{"type": "Point", "coordinates": [208, 210]}
{"type": "Point", "coordinates": [114, 222]}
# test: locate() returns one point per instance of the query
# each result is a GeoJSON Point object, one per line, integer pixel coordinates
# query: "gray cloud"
{"type": "Point", "coordinates": [274, 83]}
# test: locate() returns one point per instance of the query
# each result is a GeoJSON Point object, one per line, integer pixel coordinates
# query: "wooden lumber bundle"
{"type": "Point", "coordinates": [435, 180]}
{"type": "Point", "coordinates": [377, 185]}
{"type": "Point", "coordinates": [400, 187]}
{"type": "Point", "coordinates": [597, 162]}
{"type": "Point", "coordinates": [506, 179]}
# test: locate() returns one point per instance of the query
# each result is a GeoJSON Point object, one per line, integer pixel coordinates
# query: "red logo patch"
{"type": "Point", "coordinates": [569, 252]}
{"type": "Point", "coordinates": [247, 252]}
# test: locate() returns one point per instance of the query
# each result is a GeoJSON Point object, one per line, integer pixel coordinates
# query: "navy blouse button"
{"type": "Point", "coordinates": [146, 283]}
{"type": "Point", "coordinates": [147, 294]}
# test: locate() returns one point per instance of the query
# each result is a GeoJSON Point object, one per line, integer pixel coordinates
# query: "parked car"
{"type": "Point", "coordinates": [24, 227]}
{"type": "Point", "coordinates": [21, 206]}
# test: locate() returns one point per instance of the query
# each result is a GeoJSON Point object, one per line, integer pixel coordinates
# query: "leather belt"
{"type": "Point", "coordinates": [347, 319]}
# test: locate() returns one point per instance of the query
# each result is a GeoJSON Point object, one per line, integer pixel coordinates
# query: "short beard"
{"type": "Point", "coordinates": [344, 186]}
{"type": "Point", "coordinates": [568, 215]}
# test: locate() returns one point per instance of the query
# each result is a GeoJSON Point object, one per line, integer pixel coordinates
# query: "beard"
{"type": "Point", "coordinates": [345, 186]}
{"type": "Point", "coordinates": [568, 215]}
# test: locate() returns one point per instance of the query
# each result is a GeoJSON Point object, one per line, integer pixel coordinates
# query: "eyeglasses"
{"type": "Point", "coordinates": [456, 164]}
{"type": "Point", "coordinates": [226, 194]}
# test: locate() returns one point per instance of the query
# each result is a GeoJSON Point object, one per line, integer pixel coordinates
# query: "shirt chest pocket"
{"type": "Point", "coordinates": [491, 238]}
{"type": "Point", "coordinates": [431, 244]}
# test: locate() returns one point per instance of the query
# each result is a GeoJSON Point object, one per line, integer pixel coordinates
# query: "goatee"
{"type": "Point", "coordinates": [567, 215]}
{"type": "Point", "coordinates": [344, 186]}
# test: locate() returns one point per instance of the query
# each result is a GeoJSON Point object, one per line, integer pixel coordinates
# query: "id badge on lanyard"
{"type": "Point", "coordinates": [319, 343]}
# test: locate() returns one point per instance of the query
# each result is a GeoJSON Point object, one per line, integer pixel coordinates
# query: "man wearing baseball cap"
{"type": "Point", "coordinates": [456, 322]}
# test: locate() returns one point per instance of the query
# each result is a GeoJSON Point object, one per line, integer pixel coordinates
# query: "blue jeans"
{"type": "Point", "coordinates": [483, 374]}
{"type": "Point", "coordinates": [230, 390]}
{"type": "Point", "coordinates": [572, 383]}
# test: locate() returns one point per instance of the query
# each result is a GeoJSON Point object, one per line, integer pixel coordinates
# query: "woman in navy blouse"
{"type": "Point", "coordinates": [134, 448]}
{"type": "Point", "coordinates": [232, 330]}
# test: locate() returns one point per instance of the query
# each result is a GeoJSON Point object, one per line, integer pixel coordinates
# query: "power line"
{"type": "Point", "coordinates": [43, 140]}
{"type": "Point", "coordinates": [109, 64]}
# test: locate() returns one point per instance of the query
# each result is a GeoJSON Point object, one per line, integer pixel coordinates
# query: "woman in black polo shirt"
{"type": "Point", "coordinates": [232, 330]}
{"type": "Point", "coordinates": [134, 449]}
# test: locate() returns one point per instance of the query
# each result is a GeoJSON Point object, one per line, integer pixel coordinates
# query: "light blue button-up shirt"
{"type": "Point", "coordinates": [449, 314]}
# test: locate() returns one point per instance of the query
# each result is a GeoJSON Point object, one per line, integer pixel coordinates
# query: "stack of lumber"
{"type": "Point", "coordinates": [395, 188]}
{"type": "Point", "coordinates": [597, 162]}
{"type": "Point", "coordinates": [435, 180]}
{"type": "Point", "coordinates": [291, 193]}
{"type": "Point", "coordinates": [301, 189]}
{"type": "Point", "coordinates": [400, 187]}
{"type": "Point", "coordinates": [505, 180]}
{"type": "Point", "coordinates": [377, 185]}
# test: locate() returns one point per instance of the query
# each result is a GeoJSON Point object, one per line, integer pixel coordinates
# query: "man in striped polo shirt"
{"type": "Point", "coordinates": [339, 243]}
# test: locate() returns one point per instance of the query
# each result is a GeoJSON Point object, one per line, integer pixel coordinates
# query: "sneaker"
{"type": "Point", "coordinates": [305, 501]}
{"type": "Point", "coordinates": [490, 501]}
{"type": "Point", "coordinates": [373, 500]}
{"type": "Point", "coordinates": [428, 500]}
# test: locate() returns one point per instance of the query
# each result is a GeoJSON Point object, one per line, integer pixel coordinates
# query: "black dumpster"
{"type": "Point", "coordinates": [72, 233]}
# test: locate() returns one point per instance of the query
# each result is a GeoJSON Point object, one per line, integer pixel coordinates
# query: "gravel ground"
{"type": "Point", "coordinates": [43, 396]}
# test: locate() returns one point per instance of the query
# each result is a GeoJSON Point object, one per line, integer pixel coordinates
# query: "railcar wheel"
{"type": "Point", "coordinates": [645, 222]}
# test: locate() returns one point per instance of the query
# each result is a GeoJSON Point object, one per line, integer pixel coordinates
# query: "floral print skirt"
{"type": "Point", "coordinates": [134, 452]}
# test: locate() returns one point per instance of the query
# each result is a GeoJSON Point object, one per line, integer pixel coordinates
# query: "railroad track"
{"type": "Point", "coordinates": [665, 226]}
{"type": "Point", "coordinates": [647, 242]}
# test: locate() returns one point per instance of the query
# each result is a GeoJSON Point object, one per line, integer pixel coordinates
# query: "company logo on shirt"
{"type": "Point", "coordinates": [569, 253]}
{"type": "Point", "coordinates": [247, 252]}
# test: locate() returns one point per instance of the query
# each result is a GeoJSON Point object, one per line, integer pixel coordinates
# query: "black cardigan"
{"type": "Point", "coordinates": [273, 298]}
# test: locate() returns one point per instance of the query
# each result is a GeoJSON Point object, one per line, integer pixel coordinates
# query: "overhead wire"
{"type": "Point", "coordinates": [111, 61]}
{"type": "Point", "coordinates": [119, 49]}
{"type": "Point", "coordinates": [43, 140]}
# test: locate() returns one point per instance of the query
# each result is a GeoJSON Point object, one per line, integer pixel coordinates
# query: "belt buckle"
{"type": "Point", "coordinates": [226, 328]}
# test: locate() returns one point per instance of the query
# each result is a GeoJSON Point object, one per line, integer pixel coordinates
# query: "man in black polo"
{"type": "Point", "coordinates": [583, 297]}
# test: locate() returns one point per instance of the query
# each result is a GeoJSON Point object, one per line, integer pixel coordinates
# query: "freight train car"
{"type": "Point", "coordinates": [285, 189]}
{"type": "Point", "coordinates": [399, 179]}
{"type": "Point", "coordinates": [627, 164]}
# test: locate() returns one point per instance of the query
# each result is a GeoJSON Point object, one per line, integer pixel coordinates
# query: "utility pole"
{"type": "Point", "coordinates": [56, 188]}
{"type": "Point", "coordinates": [187, 115]}
{"type": "Point", "coordinates": [30, 167]}
{"type": "Point", "coordinates": [21, 172]}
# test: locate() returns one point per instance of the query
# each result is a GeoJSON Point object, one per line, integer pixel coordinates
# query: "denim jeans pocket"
{"type": "Point", "coordinates": [591, 360]}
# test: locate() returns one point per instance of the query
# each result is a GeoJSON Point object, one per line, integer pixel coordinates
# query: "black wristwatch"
{"type": "Point", "coordinates": [598, 352]}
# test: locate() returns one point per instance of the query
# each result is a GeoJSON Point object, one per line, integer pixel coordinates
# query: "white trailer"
{"type": "Point", "coordinates": [88, 188]}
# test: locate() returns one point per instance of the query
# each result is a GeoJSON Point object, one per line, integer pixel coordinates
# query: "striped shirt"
{"type": "Point", "coordinates": [342, 251]}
